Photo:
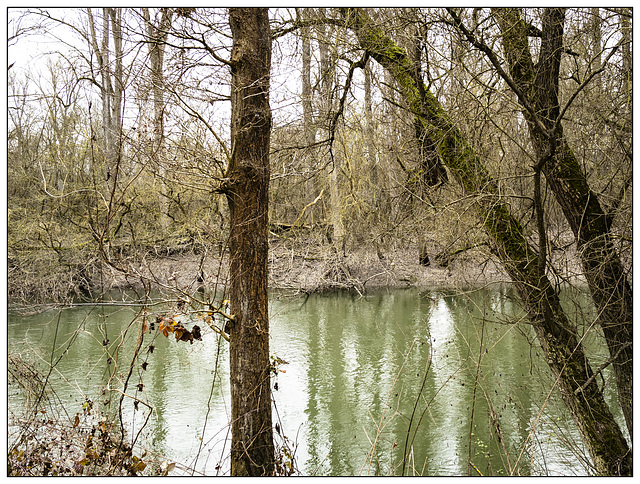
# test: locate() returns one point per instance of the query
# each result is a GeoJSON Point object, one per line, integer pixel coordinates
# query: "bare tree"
{"type": "Point", "coordinates": [157, 31]}
{"type": "Point", "coordinates": [537, 87]}
{"type": "Point", "coordinates": [252, 450]}
{"type": "Point", "coordinates": [555, 332]}
{"type": "Point", "coordinates": [111, 85]}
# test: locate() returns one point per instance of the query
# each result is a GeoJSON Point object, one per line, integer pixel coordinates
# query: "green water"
{"type": "Point", "coordinates": [395, 382]}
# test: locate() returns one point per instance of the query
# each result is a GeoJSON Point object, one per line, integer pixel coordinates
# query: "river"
{"type": "Point", "coordinates": [395, 382]}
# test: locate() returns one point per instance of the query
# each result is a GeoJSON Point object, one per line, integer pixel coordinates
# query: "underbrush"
{"type": "Point", "coordinates": [45, 440]}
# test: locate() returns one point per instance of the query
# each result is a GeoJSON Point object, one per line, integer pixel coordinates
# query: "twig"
{"type": "Point", "coordinates": [413, 412]}
{"type": "Point", "coordinates": [473, 404]}
{"type": "Point", "coordinates": [307, 206]}
{"type": "Point", "coordinates": [602, 367]}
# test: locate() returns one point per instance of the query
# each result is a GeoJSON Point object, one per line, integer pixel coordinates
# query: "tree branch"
{"type": "Point", "coordinates": [300, 24]}
{"type": "Point", "coordinates": [602, 367]}
{"type": "Point", "coordinates": [493, 58]}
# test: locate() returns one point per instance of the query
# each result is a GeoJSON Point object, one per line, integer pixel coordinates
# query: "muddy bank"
{"type": "Point", "coordinates": [320, 268]}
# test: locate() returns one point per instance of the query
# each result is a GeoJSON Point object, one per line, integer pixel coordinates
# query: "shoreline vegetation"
{"type": "Point", "coordinates": [294, 267]}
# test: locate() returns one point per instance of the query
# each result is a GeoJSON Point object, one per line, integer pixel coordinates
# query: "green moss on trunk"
{"type": "Point", "coordinates": [610, 289]}
{"type": "Point", "coordinates": [601, 434]}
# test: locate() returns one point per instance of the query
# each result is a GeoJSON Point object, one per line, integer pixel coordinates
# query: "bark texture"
{"type": "Point", "coordinates": [157, 37]}
{"type": "Point", "coordinates": [610, 289]}
{"type": "Point", "coordinates": [252, 449]}
{"type": "Point", "coordinates": [557, 335]}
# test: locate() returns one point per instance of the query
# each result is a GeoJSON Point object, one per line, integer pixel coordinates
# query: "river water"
{"type": "Point", "coordinates": [396, 382]}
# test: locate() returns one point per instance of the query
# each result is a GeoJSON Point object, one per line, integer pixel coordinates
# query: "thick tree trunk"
{"type": "Point", "coordinates": [252, 450]}
{"type": "Point", "coordinates": [603, 270]}
{"type": "Point", "coordinates": [599, 430]}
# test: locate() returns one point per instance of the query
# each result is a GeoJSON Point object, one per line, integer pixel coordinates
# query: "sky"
{"type": "Point", "coordinates": [30, 54]}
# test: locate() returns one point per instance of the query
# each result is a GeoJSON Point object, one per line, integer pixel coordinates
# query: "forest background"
{"type": "Point", "coordinates": [407, 147]}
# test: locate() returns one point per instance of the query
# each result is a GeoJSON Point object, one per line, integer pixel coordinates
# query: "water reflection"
{"type": "Point", "coordinates": [391, 383]}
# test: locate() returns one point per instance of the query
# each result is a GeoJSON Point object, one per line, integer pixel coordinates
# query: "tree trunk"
{"type": "Point", "coordinates": [156, 38]}
{"type": "Point", "coordinates": [338, 235]}
{"type": "Point", "coordinates": [389, 142]}
{"type": "Point", "coordinates": [328, 57]}
{"type": "Point", "coordinates": [308, 124]}
{"type": "Point", "coordinates": [596, 46]}
{"type": "Point", "coordinates": [567, 361]}
{"type": "Point", "coordinates": [610, 289]}
{"type": "Point", "coordinates": [372, 158]}
{"type": "Point", "coordinates": [111, 89]}
{"type": "Point", "coordinates": [627, 57]}
{"type": "Point", "coordinates": [252, 449]}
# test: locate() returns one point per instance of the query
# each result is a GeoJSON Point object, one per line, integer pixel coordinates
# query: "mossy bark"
{"type": "Point", "coordinates": [601, 263]}
{"type": "Point", "coordinates": [403, 68]}
{"type": "Point", "coordinates": [252, 448]}
{"type": "Point", "coordinates": [557, 335]}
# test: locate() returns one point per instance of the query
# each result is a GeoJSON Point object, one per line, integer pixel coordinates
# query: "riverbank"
{"type": "Point", "coordinates": [295, 265]}
{"type": "Point", "coordinates": [320, 268]}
